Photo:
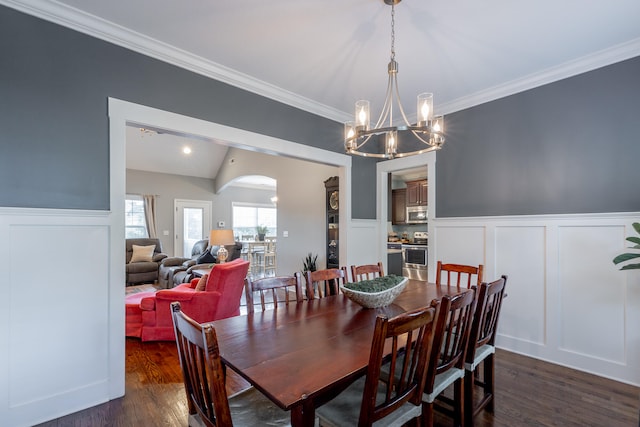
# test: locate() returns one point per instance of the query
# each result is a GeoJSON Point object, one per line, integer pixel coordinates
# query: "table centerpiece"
{"type": "Point", "coordinates": [376, 292]}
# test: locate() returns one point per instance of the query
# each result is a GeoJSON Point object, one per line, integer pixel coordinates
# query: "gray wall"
{"type": "Point", "coordinates": [567, 147]}
{"type": "Point", "coordinates": [54, 84]}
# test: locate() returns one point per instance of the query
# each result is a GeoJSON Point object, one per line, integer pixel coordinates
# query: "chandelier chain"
{"type": "Point", "coordinates": [393, 32]}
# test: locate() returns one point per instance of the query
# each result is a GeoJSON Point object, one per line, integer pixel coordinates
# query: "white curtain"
{"type": "Point", "coordinates": [150, 214]}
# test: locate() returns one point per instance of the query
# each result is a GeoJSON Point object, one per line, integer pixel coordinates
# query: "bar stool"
{"type": "Point", "coordinates": [256, 258]}
{"type": "Point", "coordinates": [270, 259]}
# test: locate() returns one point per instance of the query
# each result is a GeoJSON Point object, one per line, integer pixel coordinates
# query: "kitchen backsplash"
{"type": "Point", "coordinates": [409, 229]}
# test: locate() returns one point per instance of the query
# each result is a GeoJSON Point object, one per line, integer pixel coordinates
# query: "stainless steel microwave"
{"type": "Point", "coordinates": [416, 215]}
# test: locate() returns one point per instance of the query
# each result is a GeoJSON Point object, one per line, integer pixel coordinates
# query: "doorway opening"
{"type": "Point", "coordinates": [121, 114]}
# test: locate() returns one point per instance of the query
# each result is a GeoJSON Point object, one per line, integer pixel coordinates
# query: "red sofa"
{"type": "Point", "coordinates": [148, 316]}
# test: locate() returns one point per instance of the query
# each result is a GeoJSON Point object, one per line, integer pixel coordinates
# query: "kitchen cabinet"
{"type": "Point", "coordinates": [399, 207]}
{"type": "Point", "coordinates": [417, 193]}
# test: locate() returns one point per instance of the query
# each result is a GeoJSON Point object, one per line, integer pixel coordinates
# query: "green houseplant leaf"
{"type": "Point", "coordinates": [309, 263]}
{"type": "Point", "coordinates": [630, 255]}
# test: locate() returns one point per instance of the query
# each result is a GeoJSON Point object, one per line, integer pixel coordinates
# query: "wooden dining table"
{"type": "Point", "coordinates": [302, 355]}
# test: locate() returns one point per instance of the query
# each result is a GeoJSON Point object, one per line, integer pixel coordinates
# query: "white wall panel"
{"type": "Point", "coordinates": [54, 297]}
{"type": "Point", "coordinates": [458, 245]}
{"type": "Point", "coordinates": [523, 311]}
{"type": "Point", "coordinates": [56, 329]}
{"type": "Point", "coordinates": [363, 241]}
{"type": "Point", "coordinates": [591, 292]}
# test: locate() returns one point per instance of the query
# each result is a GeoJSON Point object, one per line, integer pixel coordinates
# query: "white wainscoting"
{"type": "Point", "coordinates": [363, 242]}
{"type": "Point", "coordinates": [57, 324]}
{"type": "Point", "coordinates": [567, 302]}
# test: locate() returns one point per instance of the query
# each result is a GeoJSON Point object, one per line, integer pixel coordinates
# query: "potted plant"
{"type": "Point", "coordinates": [630, 255]}
{"type": "Point", "coordinates": [262, 231]}
{"type": "Point", "coordinates": [309, 263]}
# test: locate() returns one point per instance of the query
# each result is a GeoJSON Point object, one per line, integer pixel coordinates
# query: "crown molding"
{"type": "Point", "coordinates": [83, 22]}
{"type": "Point", "coordinates": [102, 29]}
{"type": "Point", "coordinates": [581, 65]}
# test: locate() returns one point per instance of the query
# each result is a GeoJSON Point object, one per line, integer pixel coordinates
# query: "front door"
{"type": "Point", "coordinates": [192, 222]}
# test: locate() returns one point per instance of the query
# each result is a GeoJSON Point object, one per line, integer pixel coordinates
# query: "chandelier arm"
{"type": "Point", "coordinates": [388, 104]}
{"type": "Point", "coordinates": [404, 116]}
{"type": "Point", "coordinates": [364, 141]}
{"type": "Point", "coordinates": [418, 131]}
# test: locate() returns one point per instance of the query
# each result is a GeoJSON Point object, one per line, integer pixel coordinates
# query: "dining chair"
{"type": "Point", "coordinates": [458, 274]}
{"type": "Point", "coordinates": [446, 365]}
{"type": "Point", "coordinates": [366, 272]}
{"type": "Point", "coordinates": [481, 348]}
{"type": "Point", "coordinates": [323, 283]}
{"type": "Point", "coordinates": [267, 289]}
{"type": "Point", "coordinates": [402, 344]}
{"type": "Point", "coordinates": [204, 381]}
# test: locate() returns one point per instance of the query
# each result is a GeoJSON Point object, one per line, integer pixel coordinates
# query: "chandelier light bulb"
{"type": "Point", "coordinates": [425, 110]}
{"type": "Point", "coordinates": [391, 143]}
{"type": "Point", "coordinates": [362, 115]}
{"type": "Point", "coordinates": [349, 134]}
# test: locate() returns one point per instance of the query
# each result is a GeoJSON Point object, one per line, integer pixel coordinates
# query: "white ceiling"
{"type": "Point", "coordinates": [152, 151]}
{"type": "Point", "coordinates": [323, 55]}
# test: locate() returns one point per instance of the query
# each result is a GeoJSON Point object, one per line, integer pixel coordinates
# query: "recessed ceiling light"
{"type": "Point", "coordinates": [186, 150]}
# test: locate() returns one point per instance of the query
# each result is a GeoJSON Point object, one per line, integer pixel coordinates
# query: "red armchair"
{"type": "Point", "coordinates": [219, 300]}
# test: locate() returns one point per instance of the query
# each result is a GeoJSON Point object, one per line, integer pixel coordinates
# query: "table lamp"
{"type": "Point", "coordinates": [221, 238]}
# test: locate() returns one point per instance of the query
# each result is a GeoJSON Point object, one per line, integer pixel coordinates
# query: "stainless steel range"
{"type": "Point", "coordinates": [414, 257]}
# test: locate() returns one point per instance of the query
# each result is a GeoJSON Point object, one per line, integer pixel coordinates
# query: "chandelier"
{"type": "Point", "coordinates": [427, 134]}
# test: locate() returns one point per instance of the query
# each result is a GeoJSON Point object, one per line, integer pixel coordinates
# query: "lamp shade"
{"type": "Point", "coordinates": [221, 237]}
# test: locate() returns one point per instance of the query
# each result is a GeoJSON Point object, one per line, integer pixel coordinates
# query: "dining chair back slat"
{"type": "Point", "coordinates": [459, 274]}
{"type": "Point", "coordinates": [322, 283]}
{"type": "Point", "coordinates": [366, 272]}
{"type": "Point", "coordinates": [272, 290]}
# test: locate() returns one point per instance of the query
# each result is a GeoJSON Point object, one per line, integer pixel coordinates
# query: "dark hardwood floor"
{"type": "Point", "coordinates": [529, 392]}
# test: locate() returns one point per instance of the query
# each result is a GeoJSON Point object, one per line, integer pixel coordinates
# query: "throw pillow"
{"type": "Point", "coordinates": [142, 253]}
{"type": "Point", "coordinates": [202, 283]}
{"type": "Point", "coordinates": [206, 258]}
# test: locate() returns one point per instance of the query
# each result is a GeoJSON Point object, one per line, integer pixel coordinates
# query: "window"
{"type": "Point", "coordinates": [134, 223]}
{"type": "Point", "coordinates": [247, 217]}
